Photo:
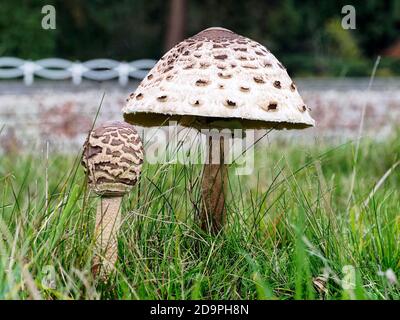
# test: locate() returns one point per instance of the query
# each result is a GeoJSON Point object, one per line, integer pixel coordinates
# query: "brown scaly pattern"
{"type": "Point", "coordinates": [112, 158]}
{"type": "Point", "coordinates": [248, 52]}
{"type": "Point", "coordinates": [218, 74]}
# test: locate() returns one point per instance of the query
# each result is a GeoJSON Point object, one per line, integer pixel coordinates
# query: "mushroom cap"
{"type": "Point", "coordinates": [218, 78]}
{"type": "Point", "coordinates": [112, 158]}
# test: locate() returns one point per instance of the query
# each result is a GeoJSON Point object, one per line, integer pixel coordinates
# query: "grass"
{"type": "Point", "coordinates": [297, 229]}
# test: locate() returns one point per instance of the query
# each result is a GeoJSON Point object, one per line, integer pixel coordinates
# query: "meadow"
{"type": "Point", "coordinates": [314, 221]}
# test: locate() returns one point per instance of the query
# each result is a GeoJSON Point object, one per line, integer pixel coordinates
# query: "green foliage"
{"type": "Point", "coordinates": [21, 32]}
{"type": "Point", "coordinates": [126, 29]}
{"type": "Point", "coordinates": [296, 229]}
{"type": "Point", "coordinates": [341, 42]}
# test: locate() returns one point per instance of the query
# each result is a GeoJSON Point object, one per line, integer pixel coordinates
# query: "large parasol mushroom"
{"type": "Point", "coordinates": [218, 79]}
{"type": "Point", "coordinates": [112, 158]}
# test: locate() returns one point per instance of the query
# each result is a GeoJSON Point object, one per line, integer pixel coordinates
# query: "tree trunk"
{"type": "Point", "coordinates": [214, 185]}
{"type": "Point", "coordinates": [176, 23]}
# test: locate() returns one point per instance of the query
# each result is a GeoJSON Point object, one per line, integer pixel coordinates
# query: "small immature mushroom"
{"type": "Point", "coordinates": [246, 88]}
{"type": "Point", "coordinates": [112, 158]}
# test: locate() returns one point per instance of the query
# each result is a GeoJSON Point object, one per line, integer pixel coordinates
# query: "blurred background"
{"type": "Point", "coordinates": [330, 64]}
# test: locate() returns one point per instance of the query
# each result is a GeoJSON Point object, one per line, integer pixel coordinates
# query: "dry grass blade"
{"type": "Point", "coordinates": [30, 284]}
{"type": "Point", "coordinates": [320, 283]}
{"type": "Point", "coordinates": [360, 130]}
{"type": "Point", "coordinates": [380, 183]}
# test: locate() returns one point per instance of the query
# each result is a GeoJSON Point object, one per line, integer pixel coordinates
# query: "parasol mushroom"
{"type": "Point", "coordinates": [218, 79]}
{"type": "Point", "coordinates": [112, 158]}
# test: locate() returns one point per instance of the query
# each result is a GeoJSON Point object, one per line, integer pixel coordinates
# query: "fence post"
{"type": "Point", "coordinates": [29, 69]}
{"type": "Point", "coordinates": [123, 70]}
{"type": "Point", "coordinates": [77, 69]}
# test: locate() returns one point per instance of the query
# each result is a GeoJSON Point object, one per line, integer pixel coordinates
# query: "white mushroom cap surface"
{"type": "Point", "coordinates": [218, 77]}
{"type": "Point", "coordinates": [112, 158]}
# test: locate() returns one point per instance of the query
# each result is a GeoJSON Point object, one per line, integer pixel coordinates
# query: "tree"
{"type": "Point", "coordinates": [176, 23]}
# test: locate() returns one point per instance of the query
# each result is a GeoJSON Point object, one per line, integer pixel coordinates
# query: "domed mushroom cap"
{"type": "Point", "coordinates": [217, 76]}
{"type": "Point", "coordinates": [112, 158]}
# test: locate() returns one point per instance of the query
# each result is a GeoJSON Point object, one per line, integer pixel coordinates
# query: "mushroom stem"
{"type": "Point", "coordinates": [214, 184]}
{"type": "Point", "coordinates": [108, 221]}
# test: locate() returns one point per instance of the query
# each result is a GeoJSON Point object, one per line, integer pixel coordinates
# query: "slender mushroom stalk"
{"type": "Point", "coordinates": [218, 79]}
{"type": "Point", "coordinates": [108, 222]}
{"type": "Point", "coordinates": [213, 188]}
{"type": "Point", "coordinates": [112, 158]}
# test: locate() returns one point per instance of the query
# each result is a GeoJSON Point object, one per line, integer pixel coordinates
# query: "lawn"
{"type": "Point", "coordinates": [307, 224]}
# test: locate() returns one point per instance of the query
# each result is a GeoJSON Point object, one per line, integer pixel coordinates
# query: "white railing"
{"type": "Point", "coordinates": [61, 69]}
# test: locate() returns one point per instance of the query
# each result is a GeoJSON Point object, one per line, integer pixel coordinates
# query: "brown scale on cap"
{"type": "Point", "coordinates": [112, 158]}
{"type": "Point", "coordinates": [225, 75]}
{"type": "Point", "coordinates": [204, 65]}
{"type": "Point", "coordinates": [221, 57]}
{"type": "Point", "coordinates": [277, 84]}
{"type": "Point", "coordinates": [162, 98]}
{"type": "Point", "coordinates": [302, 108]}
{"type": "Point", "coordinates": [272, 106]}
{"type": "Point", "coordinates": [229, 103]}
{"type": "Point", "coordinates": [240, 49]}
{"type": "Point", "coordinates": [258, 79]}
{"type": "Point", "coordinates": [266, 64]}
{"type": "Point", "coordinates": [196, 103]}
{"type": "Point", "coordinates": [202, 82]}
{"type": "Point", "coordinates": [216, 34]}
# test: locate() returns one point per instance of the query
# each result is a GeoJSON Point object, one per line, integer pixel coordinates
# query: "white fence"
{"type": "Point", "coordinates": [61, 69]}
